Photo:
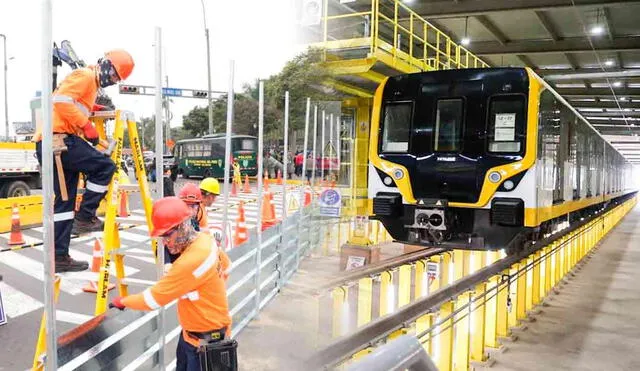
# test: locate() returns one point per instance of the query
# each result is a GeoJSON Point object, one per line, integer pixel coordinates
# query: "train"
{"type": "Point", "coordinates": [485, 159]}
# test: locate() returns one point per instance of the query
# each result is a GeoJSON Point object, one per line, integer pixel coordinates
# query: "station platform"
{"type": "Point", "coordinates": [593, 320]}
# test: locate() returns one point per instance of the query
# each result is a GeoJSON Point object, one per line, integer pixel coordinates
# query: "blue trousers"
{"type": "Point", "coordinates": [80, 157]}
{"type": "Point", "coordinates": [187, 358]}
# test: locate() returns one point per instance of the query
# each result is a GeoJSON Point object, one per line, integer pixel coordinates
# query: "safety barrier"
{"type": "Point", "coordinates": [389, 31]}
{"type": "Point", "coordinates": [460, 322]}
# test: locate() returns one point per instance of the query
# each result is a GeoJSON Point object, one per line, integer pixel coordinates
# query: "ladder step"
{"type": "Point", "coordinates": [104, 114]}
{"type": "Point", "coordinates": [129, 187]}
{"type": "Point", "coordinates": [137, 282]}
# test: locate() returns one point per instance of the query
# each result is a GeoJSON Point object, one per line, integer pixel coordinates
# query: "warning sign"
{"type": "Point", "coordinates": [354, 262]}
{"type": "Point", "coordinates": [433, 271]}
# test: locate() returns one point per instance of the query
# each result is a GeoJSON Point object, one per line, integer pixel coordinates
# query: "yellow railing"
{"type": "Point", "coordinates": [463, 329]}
{"type": "Point", "coordinates": [395, 35]}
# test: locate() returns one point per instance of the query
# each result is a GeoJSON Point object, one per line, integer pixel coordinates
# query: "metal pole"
{"type": "Point", "coordinates": [260, 190]}
{"type": "Point", "coordinates": [47, 187]}
{"type": "Point", "coordinates": [331, 143]}
{"type": "Point", "coordinates": [159, 179]}
{"type": "Point", "coordinates": [304, 173]}
{"type": "Point", "coordinates": [6, 99]}
{"type": "Point", "coordinates": [167, 113]}
{"type": "Point", "coordinates": [315, 153]}
{"type": "Point", "coordinates": [338, 149]}
{"type": "Point", "coordinates": [209, 98]}
{"type": "Point", "coordinates": [285, 162]}
{"type": "Point", "coordinates": [227, 153]}
{"type": "Point", "coordinates": [324, 118]}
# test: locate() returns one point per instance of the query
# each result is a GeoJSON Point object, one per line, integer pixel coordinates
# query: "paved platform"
{"type": "Point", "coordinates": [593, 323]}
{"type": "Point", "coordinates": [296, 322]}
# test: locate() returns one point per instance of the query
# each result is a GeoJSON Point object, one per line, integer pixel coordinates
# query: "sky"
{"type": "Point", "coordinates": [257, 34]}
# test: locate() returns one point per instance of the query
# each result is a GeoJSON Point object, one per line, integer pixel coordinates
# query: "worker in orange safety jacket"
{"type": "Point", "coordinates": [73, 102]}
{"type": "Point", "coordinates": [195, 279]}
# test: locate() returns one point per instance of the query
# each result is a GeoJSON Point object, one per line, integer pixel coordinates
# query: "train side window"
{"type": "Point", "coordinates": [506, 124]}
{"type": "Point", "coordinates": [448, 130]}
{"type": "Point", "coordinates": [396, 127]}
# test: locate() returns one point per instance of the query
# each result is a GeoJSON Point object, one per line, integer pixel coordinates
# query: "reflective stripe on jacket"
{"type": "Point", "coordinates": [72, 102]}
{"type": "Point", "coordinates": [196, 280]}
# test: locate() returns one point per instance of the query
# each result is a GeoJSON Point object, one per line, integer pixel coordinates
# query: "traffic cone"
{"type": "Point", "coordinates": [92, 286]}
{"type": "Point", "coordinates": [307, 196]}
{"type": "Point", "coordinates": [247, 187]}
{"type": "Point", "coordinates": [268, 212]}
{"type": "Point", "coordinates": [123, 211]}
{"type": "Point", "coordinates": [241, 226]}
{"type": "Point", "coordinates": [234, 190]}
{"type": "Point", "coordinates": [266, 181]}
{"type": "Point", "coordinates": [278, 178]}
{"type": "Point", "coordinates": [16, 234]}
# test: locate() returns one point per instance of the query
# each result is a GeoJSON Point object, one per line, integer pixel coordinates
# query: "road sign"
{"type": "Point", "coordinates": [330, 203]}
{"type": "Point", "coordinates": [172, 92]}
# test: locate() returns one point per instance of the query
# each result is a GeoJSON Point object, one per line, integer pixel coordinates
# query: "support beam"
{"type": "Point", "coordinates": [526, 60]}
{"type": "Point", "coordinates": [600, 92]}
{"type": "Point", "coordinates": [595, 75]}
{"type": "Point", "coordinates": [574, 44]}
{"type": "Point", "coordinates": [611, 114]}
{"type": "Point", "coordinates": [493, 29]}
{"type": "Point", "coordinates": [445, 9]}
{"type": "Point", "coordinates": [547, 24]}
{"type": "Point", "coordinates": [559, 71]}
{"type": "Point", "coordinates": [604, 105]}
{"type": "Point", "coordinates": [608, 23]}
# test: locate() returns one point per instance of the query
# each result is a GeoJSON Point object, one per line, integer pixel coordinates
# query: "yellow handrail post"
{"type": "Point", "coordinates": [461, 337]}
{"type": "Point", "coordinates": [339, 295]}
{"type": "Point", "coordinates": [411, 37]}
{"type": "Point", "coordinates": [445, 337]}
{"type": "Point", "coordinates": [404, 285]}
{"type": "Point", "coordinates": [535, 295]}
{"type": "Point", "coordinates": [420, 286]}
{"type": "Point", "coordinates": [395, 31]}
{"type": "Point", "coordinates": [423, 323]}
{"type": "Point", "coordinates": [528, 275]}
{"type": "Point", "coordinates": [478, 316]}
{"type": "Point", "coordinates": [445, 270]}
{"type": "Point", "coordinates": [513, 295]}
{"type": "Point", "coordinates": [502, 307]}
{"type": "Point", "coordinates": [491, 308]}
{"type": "Point", "coordinates": [522, 291]}
{"type": "Point", "coordinates": [547, 269]}
{"type": "Point", "coordinates": [385, 283]}
{"type": "Point", "coordinates": [365, 298]}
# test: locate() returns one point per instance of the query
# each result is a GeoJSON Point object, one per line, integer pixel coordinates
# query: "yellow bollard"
{"type": "Point", "coordinates": [462, 338]}
{"type": "Point", "coordinates": [365, 292]}
{"type": "Point", "coordinates": [548, 271]}
{"type": "Point", "coordinates": [386, 301]}
{"type": "Point", "coordinates": [478, 315]}
{"type": "Point", "coordinates": [461, 260]}
{"type": "Point", "coordinates": [521, 286]}
{"type": "Point", "coordinates": [423, 323]}
{"type": "Point", "coordinates": [404, 285]}
{"type": "Point", "coordinates": [446, 276]}
{"type": "Point", "coordinates": [420, 281]}
{"type": "Point", "coordinates": [535, 280]}
{"type": "Point", "coordinates": [502, 308]}
{"type": "Point", "coordinates": [339, 295]}
{"type": "Point", "coordinates": [528, 304]}
{"type": "Point", "coordinates": [513, 296]}
{"type": "Point", "coordinates": [444, 339]}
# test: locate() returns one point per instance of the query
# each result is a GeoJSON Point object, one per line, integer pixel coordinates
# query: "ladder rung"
{"type": "Point", "coordinates": [137, 282]}
{"type": "Point", "coordinates": [80, 276]}
{"type": "Point", "coordinates": [129, 187]}
{"type": "Point", "coordinates": [104, 114]}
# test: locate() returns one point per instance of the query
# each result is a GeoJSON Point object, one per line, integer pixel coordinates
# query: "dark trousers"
{"type": "Point", "coordinates": [187, 358]}
{"type": "Point", "coordinates": [80, 157]}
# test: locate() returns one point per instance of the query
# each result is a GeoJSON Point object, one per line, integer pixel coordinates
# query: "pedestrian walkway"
{"type": "Point", "coordinates": [593, 322]}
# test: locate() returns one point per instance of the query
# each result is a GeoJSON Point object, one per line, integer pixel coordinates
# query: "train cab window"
{"type": "Point", "coordinates": [448, 129]}
{"type": "Point", "coordinates": [396, 127]}
{"type": "Point", "coordinates": [506, 131]}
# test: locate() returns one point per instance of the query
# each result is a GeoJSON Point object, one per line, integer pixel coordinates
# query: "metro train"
{"type": "Point", "coordinates": [485, 159]}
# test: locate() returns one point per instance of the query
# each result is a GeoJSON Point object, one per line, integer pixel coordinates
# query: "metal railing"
{"type": "Point", "coordinates": [458, 323]}
{"type": "Point", "coordinates": [390, 31]}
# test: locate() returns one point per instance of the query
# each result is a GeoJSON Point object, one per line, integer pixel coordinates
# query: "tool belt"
{"type": "Point", "coordinates": [215, 352]}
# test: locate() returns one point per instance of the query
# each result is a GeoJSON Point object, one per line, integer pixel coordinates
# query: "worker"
{"type": "Point", "coordinates": [192, 196]}
{"type": "Point", "coordinates": [73, 101]}
{"type": "Point", "coordinates": [210, 189]}
{"type": "Point", "coordinates": [195, 280]}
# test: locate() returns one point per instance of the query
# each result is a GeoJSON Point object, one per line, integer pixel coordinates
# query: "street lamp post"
{"type": "Point", "coordinates": [6, 100]}
{"type": "Point", "coordinates": [206, 35]}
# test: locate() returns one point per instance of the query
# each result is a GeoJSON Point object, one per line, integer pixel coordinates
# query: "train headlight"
{"type": "Point", "coordinates": [398, 174]}
{"type": "Point", "coordinates": [508, 185]}
{"type": "Point", "coordinates": [495, 177]}
{"type": "Point", "coordinates": [387, 181]}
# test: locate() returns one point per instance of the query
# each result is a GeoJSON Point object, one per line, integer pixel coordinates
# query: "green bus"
{"type": "Point", "coordinates": [204, 157]}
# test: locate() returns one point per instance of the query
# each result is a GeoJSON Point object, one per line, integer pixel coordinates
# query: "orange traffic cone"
{"type": "Point", "coordinates": [234, 189]}
{"type": "Point", "coordinates": [268, 212]}
{"type": "Point", "coordinates": [278, 178]}
{"type": "Point", "coordinates": [307, 196]}
{"type": "Point", "coordinates": [16, 234]}
{"type": "Point", "coordinates": [266, 181]}
{"type": "Point", "coordinates": [92, 286]}
{"type": "Point", "coordinates": [123, 210]}
{"type": "Point", "coordinates": [241, 226]}
{"type": "Point", "coordinates": [247, 187]}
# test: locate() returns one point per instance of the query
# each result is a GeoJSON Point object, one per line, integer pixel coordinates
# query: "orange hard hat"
{"type": "Point", "coordinates": [121, 61]}
{"type": "Point", "coordinates": [167, 213]}
{"type": "Point", "coordinates": [190, 194]}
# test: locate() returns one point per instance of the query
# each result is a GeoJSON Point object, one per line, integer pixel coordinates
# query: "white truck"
{"type": "Point", "coordinates": [19, 169]}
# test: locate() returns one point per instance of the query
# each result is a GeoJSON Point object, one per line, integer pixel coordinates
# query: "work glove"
{"type": "Point", "coordinates": [90, 133]}
{"type": "Point", "coordinates": [117, 303]}
{"type": "Point", "coordinates": [98, 107]}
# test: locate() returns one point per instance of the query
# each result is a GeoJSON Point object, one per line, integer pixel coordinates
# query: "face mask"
{"type": "Point", "coordinates": [108, 75]}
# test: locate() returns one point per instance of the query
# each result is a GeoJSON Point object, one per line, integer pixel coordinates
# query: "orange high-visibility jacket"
{"type": "Point", "coordinates": [195, 279]}
{"type": "Point", "coordinates": [203, 218]}
{"type": "Point", "coordinates": [72, 102]}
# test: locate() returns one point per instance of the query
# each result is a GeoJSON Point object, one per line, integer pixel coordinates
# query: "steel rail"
{"type": "Point", "coordinates": [360, 339]}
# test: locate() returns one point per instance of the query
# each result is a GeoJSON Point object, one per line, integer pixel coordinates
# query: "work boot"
{"type": "Point", "coordinates": [67, 264]}
{"type": "Point", "coordinates": [87, 226]}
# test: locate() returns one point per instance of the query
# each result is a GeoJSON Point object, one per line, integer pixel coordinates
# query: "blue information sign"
{"type": "Point", "coordinates": [330, 203]}
{"type": "Point", "coordinates": [172, 92]}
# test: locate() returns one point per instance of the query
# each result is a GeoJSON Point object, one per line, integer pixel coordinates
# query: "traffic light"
{"type": "Point", "coordinates": [129, 89]}
{"type": "Point", "coordinates": [200, 94]}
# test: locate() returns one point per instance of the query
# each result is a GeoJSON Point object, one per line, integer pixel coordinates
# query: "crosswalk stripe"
{"type": "Point", "coordinates": [71, 317]}
{"type": "Point", "coordinates": [79, 255]}
{"type": "Point", "coordinates": [135, 237]}
{"type": "Point", "coordinates": [16, 303]}
{"type": "Point", "coordinates": [35, 269]}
